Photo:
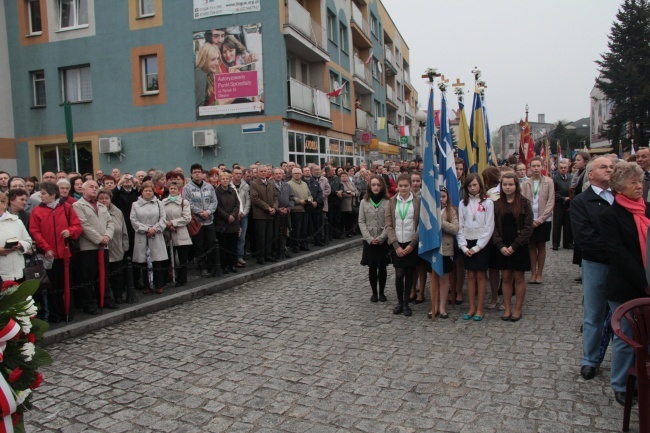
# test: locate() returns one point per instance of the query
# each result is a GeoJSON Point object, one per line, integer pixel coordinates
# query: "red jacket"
{"type": "Point", "coordinates": [46, 225]}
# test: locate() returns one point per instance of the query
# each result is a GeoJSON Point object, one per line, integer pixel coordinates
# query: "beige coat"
{"type": "Point", "coordinates": [145, 214]}
{"type": "Point", "coordinates": [120, 241]}
{"type": "Point", "coordinates": [390, 222]}
{"type": "Point", "coordinates": [179, 213]}
{"type": "Point", "coordinates": [449, 230]}
{"type": "Point", "coordinates": [95, 225]}
{"type": "Point", "coordinates": [546, 197]}
{"type": "Point", "coordinates": [372, 221]}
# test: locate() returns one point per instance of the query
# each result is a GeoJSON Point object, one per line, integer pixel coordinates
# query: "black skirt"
{"type": "Point", "coordinates": [411, 260]}
{"type": "Point", "coordinates": [541, 233]}
{"type": "Point", "coordinates": [447, 264]}
{"type": "Point", "coordinates": [479, 261]}
{"type": "Point", "coordinates": [375, 255]}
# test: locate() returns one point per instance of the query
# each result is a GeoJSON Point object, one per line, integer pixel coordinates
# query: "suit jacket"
{"type": "Point", "coordinates": [262, 198]}
{"type": "Point", "coordinates": [561, 189]}
{"type": "Point", "coordinates": [95, 225]}
{"type": "Point", "coordinates": [585, 224]}
{"type": "Point", "coordinates": [546, 197]}
{"type": "Point", "coordinates": [626, 278]}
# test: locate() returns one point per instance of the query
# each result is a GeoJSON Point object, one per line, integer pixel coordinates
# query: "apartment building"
{"type": "Point", "coordinates": [166, 84]}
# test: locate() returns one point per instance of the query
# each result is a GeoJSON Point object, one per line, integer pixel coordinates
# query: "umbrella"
{"type": "Point", "coordinates": [66, 281]}
{"type": "Point", "coordinates": [102, 276]}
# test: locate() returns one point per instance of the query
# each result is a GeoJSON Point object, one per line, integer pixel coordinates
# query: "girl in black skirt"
{"type": "Point", "coordinates": [475, 227]}
{"type": "Point", "coordinates": [402, 218]}
{"type": "Point", "coordinates": [372, 223]}
{"type": "Point", "coordinates": [513, 226]}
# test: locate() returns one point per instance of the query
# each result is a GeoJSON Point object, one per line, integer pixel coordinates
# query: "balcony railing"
{"type": "Point", "coordinates": [306, 99]}
{"type": "Point", "coordinates": [388, 54]}
{"type": "Point", "coordinates": [362, 70]}
{"type": "Point", "coordinates": [393, 134]}
{"type": "Point", "coordinates": [408, 110]}
{"type": "Point", "coordinates": [390, 93]}
{"type": "Point", "coordinates": [357, 17]}
{"type": "Point", "coordinates": [300, 20]}
{"type": "Point", "coordinates": [365, 121]}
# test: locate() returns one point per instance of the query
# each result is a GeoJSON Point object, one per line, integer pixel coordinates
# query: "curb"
{"type": "Point", "coordinates": [114, 317]}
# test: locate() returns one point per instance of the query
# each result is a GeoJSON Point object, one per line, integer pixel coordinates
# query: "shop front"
{"type": "Point", "coordinates": [305, 148]}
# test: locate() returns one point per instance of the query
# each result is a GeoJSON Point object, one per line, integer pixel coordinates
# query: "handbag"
{"type": "Point", "coordinates": [37, 272]}
{"type": "Point", "coordinates": [194, 225]}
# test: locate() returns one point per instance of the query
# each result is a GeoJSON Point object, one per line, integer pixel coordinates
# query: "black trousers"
{"type": "Point", "coordinates": [228, 250]}
{"type": "Point", "coordinates": [203, 241]}
{"type": "Point", "coordinates": [263, 231]}
{"type": "Point", "coordinates": [52, 299]}
{"type": "Point", "coordinates": [88, 292]}
{"type": "Point", "coordinates": [299, 222]}
{"type": "Point", "coordinates": [183, 252]}
{"type": "Point", "coordinates": [117, 278]}
{"type": "Point", "coordinates": [280, 226]}
{"type": "Point", "coordinates": [316, 225]}
{"type": "Point", "coordinates": [334, 216]}
{"type": "Point", "coordinates": [347, 221]}
{"type": "Point", "coordinates": [562, 221]}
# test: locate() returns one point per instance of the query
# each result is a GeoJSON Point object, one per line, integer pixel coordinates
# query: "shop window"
{"type": "Point", "coordinates": [56, 157]}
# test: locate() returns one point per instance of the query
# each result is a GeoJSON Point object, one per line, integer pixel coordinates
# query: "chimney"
{"type": "Point", "coordinates": [541, 118]}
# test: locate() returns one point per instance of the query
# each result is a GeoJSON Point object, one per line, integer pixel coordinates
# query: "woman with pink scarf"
{"type": "Point", "coordinates": [623, 230]}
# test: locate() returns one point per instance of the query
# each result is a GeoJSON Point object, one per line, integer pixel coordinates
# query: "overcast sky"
{"type": "Point", "coordinates": [539, 53]}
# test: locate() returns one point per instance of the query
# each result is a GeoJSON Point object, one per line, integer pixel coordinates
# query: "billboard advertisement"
{"type": "Point", "coordinates": [228, 73]}
{"type": "Point", "coordinates": [211, 8]}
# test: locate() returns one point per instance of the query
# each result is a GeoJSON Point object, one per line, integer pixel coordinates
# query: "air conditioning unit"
{"type": "Point", "coordinates": [205, 138]}
{"type": "Point", "coordinates": [110, 145]}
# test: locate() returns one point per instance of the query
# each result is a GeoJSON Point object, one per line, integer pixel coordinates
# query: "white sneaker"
{"type": "Point", "coordinates": [242, 261]}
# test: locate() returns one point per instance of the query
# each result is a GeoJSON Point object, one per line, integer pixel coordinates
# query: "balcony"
{"type": "Point", "coordinates": [308, 104]}
{"type": "Point", "coordinates": [408, 111]}
{"type": "Point", "coordinates": [360, 28]}
{"type": "Point", "coordinates": [362, 77]}
{"type": "Point", "coordinates": [391, 103]}
{"type": "Point", "coordinates": [303, 35]}
{"type": "Point", "coordinates": [393, 135]}
{"type": "Point", "coordinates": [391, 69]}
{"type": "Point", "coordinates": [365, 122]}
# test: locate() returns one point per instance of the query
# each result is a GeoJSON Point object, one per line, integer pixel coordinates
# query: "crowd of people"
{"type": "Point", "coordinates": [83, 226]}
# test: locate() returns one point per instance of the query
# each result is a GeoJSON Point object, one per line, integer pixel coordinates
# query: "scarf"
{"type": "Point", "coordinates": [173, 198]}
{"type": "Point", "coordinates": [637, 209]}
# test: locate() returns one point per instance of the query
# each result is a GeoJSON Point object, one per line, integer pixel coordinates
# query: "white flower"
{"type": "Point", "coordinates": [30, 308]}
{"type": "Point", "coordinates": [21, 396]}
{"type": "Point", "coordinates": [28, 350]}
{"type": "Point", "coordinates": [430, 71]}
{"type": "Point", "coordinates": [25, 323]}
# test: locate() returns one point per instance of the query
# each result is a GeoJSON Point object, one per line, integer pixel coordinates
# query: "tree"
{"type": "Point", "coordinates": [560, 133]}
{"type": "Point", "coordinates": [625, 74]}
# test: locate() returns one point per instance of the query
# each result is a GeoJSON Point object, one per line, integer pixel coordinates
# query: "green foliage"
{"type": "Point", "coordinates": [625, 74]}
{"type": "Point", "coordinates": [564, 135]}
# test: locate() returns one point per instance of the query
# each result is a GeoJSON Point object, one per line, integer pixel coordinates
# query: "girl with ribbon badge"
{"type": "Point", "coordinates": [475, 227]}
{"type": "Point", "coordinates": [402, 218]}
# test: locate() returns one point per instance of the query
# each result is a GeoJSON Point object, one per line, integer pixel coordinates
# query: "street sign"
{"type": "Point", "coordinates": [253, 128]}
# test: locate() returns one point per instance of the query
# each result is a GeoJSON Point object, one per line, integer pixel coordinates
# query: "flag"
{"type": "Point", "coordinates": [429, 228]}
{"type": "Point", "coordinates": [381, 123]}
{"type": "Point", "coordinates": [559, 152]}
{"type": "Point", "coordinates": [526, 144]}
{"type": "Point", "coordinates": [632, 151]}
{"type": "Point", "coordinates": [337, 91]}
{"type": "Point", "coordinates": [446, 161]}
{"type": "Point", "coordinates": [477, 133]}
{"type": "Point", "coordinates": [491, 154]}
{"type": "Point", "coordinates": [369, 59]}
{"type": "Point", "coordinates": [464, 141]}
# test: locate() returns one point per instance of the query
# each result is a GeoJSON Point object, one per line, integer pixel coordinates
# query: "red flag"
{"type": "Point", "coordinates": [369, 58]}
{"type": "Point", "coordinates": [336, 92]}
{"type": "Point", "coordinates": [401, 131]}
{"type": "Point", "coordinates": [542, 153]}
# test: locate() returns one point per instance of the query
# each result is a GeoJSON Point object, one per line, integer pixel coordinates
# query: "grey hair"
{"type": "Point", "coordinates": [157, 175]}
{"type": "Point", "coordinates": [624, 171]}
{"type": "Point", "coordinates": [63, 182]}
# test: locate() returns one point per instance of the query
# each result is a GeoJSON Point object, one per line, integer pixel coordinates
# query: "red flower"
{"type": "Point", "coordinates": [37, 382]}
{"type": "Point", "coordinates": [7, 284]}
{"type": "Point", "coordinates": [15, 375]}
{"type": "Point", "coordinates": [15, 418]}
{"type": "Point", "coordinates": [31, 338]}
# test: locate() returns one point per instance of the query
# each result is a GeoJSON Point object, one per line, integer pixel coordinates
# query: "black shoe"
{"type": "Point", "coordinates": [554, 248]}
{"type": "Point", "coordinates": [373, 298]}
{"type": "Point", "coordinates": [287, 255]}
{"type": "Point", "coordinates": [91, 311]}
{"type": "Point", "coordinates": [568, 247]}
{"type": "Point", "coordinates": [619, 396]}
{"type": "Point", "coordinates": [226, 271]}
{"type": "Point", "coordinates": [304, 248]}
{"type": "Point", "coordinates": [407, 311]}
{"type": "Point", "coordinates": [205, 273]}
{"type": "Point", "coordinates": [260, 261]}
{"type": "Point", "coordinates": [588, 372]}
{"type": "Point", "coordinates": [296, 250]}
{"type": "Point", "coordinates": [270, 259]}
{"type": "Point", "coordinates": [119, 300]}
{"type": "Point", "coordinates": [179, 284]}
{"type": "Point", "coordinates": [382, 297]}
{"type": "Point", "coordinates": [319, 244]}
{"type": "Point", "coordinates": [111, 306]}
{"type": "Point", "coordinates": [398, 309]}
{"type": "Point", "coordinates": [54, 319]}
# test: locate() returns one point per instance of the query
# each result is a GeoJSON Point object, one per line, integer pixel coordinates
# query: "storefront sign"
{"type": "Point", "coordinates": [210, 8]}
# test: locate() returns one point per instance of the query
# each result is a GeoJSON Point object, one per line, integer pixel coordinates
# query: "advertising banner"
{"type": "Point", "coordinates": [211, 8]}
{"type": "Point", "coordinates": [228, 73]}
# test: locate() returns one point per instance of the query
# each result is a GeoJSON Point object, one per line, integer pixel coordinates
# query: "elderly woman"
{"type": "Point", "coordinates": [18, 204]}
{"type": "Point", "coordinates": [77, 191]}
{"type": "Point", "coordinates": [117, 246]}
{"type": "Point", "coordinates": [158, 178]}
{"type": "Point", "coordinates": [149, 221]}
{"type": "Point", "coordinates": [64, 191]}
{"type": "Point", "coordinates": [179, 215]}
{"type": "Point", "coordinates": [226, 222]}
{"type": "Point", "coordinates": [17, 183]}
{"type": "Point", "coordinates": [623, 230]}
{"type": "Point", "coordinates": [12, 262]}
{"type": "Point", "coordinates": [349, 194]}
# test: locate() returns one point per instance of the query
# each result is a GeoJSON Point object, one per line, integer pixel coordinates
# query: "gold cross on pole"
{"type": "Point", "coordinates": [443, 79]}
{"type": "Point", "coordinates": [458, 83]}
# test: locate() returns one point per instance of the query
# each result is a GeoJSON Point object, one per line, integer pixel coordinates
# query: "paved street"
{"type": "Point", "coordinates": [305, 351]}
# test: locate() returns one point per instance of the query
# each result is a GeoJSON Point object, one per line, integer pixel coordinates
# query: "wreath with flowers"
{"type": "Point", "coordinates": [20, 357]}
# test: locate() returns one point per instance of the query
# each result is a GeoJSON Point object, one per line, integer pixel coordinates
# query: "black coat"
{"type": "Point", "coordinates": [585, 223]}
{"type": "Point", "coordinates": [561, 189]}
{"type": "Point", "coordinates": [315, 190]}
{"type": "Point", "coordinates": [124, 200]}
{"type": "Point", "coordinates": [626, 278]}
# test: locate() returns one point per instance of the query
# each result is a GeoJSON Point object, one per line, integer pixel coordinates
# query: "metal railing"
{"type": "Point", "coordinates": [357, 17]}
{"type": "Point", "coordinates": [365, 121]}
{"type": "Point", "coordinates": [300, 20]}
{"type": "Point", "coordinates": [362, 71]}
{"type": "Point", "coordinates": [308, 100]}
{"type": "Point", "coordinates": [390, 93]}
{"type": "Point", "coordinates": [393, 133]}
{"type": "Point", "coordinates": [388, 54]}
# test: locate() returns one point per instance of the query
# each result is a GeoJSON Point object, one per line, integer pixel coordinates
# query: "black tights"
{"type": "Point", "coordinates": [377, 273]}
{"type": "Point", "coordinates": [403, 284]}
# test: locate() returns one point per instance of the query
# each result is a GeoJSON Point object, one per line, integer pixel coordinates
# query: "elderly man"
{"type": "Point", "coordinates": [243, 191]}
{"type": "Point", "coordinates": [585, 222]}
{"type": "Point", "coordinates": [116, 174]}
{"type": "Point", "coordinates": [643, 159]}
{"type": "Point", "coordinates": [299, 217]}
{"type": "Point", "coordinates": [97, 227]}
{"type": "Point", "coordinates": [281, 220]}
{"type": "Point", "coordinates": [314, 212]}
{"type": "Point", "coordinates": [561, 217]}
{"type": "Point", "coordinates": [264, 202]}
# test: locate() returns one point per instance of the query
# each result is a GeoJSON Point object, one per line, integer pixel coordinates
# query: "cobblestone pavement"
{"type": "Point", "coordinates": [305, 351]}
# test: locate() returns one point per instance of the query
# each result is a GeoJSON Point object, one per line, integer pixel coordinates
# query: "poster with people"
{"type": "Point", "coordinates": [228, 73]}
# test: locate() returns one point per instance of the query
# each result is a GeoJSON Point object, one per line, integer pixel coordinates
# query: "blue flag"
{"type": "Point", "coordinates": [447, 163]}
{"type": "Point", "coordinates": [491, 154]}
{"type": "Point", "coordinates": [429, 229]}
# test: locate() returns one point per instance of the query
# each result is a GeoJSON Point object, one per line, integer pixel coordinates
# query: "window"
{"type": "Point", "coordinates": [345, 95]}
{"type": "Point", "coordinates": [331, 29]}
{"type": "Point", "coordinates": [399, 91]}
{"type": "Point", "coordinates": [334, 84]}
{"type": "Point", "coordinates": [73, 13]}
{"type": "Point", "coordinates": [378, 111]}
{"type": "Point", "coordinates": [146, 8]}
{"type": "Point", "coordinates": [343, 38]}
{"type": "Point", "coordinates": [38, 89]}
{"type": "Point", "coordinates": [374, 27]}
{"type": "Point", "coordinates": [56, 157]}
{"type": "Point", "coordinates": [76, 84]}
{"type": "Point", "coordinates": [34, 15]}
{"type": "Point", "coordinates": [150, 74]}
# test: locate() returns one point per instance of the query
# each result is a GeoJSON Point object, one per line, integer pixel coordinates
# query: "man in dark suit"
{"type": "Point", "coordinates": [561, 216]}
{"type": "Point", "coordinates": [643, 159]}
{"type": "Point", "coordinates": [264, 202]}
{"type": "Point", "coordinates": [585, 222]}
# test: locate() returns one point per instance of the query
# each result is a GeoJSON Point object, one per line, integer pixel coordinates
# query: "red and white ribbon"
{"type": "Point", "coordinates": [7, 400]}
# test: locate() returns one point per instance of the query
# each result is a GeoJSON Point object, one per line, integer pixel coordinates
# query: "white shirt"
{"type": "Point", "coordinates": [475, 222]}
{"type": "Point", "coordinates": [604, 193]}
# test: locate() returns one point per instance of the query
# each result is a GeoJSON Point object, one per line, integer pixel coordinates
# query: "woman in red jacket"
{"type": "Point", "coordinates": [52, 225]}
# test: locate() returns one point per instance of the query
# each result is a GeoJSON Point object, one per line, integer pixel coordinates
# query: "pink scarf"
{"type": "Point", "coordinates": [637, 209]}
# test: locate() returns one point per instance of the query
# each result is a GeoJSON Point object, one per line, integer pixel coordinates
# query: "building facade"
{"type": "Point", "coordinates": [510, 136]}
{"type": "Point", "coordinates": [166, 84]}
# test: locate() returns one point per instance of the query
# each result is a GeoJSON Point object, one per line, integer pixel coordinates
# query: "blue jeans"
{"type": "Point", "coordinates": [241, 242]}
{"type": "Point", "coordinates": [594, 310]}
{"type": "Point", "coordinates": [622, 354]}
